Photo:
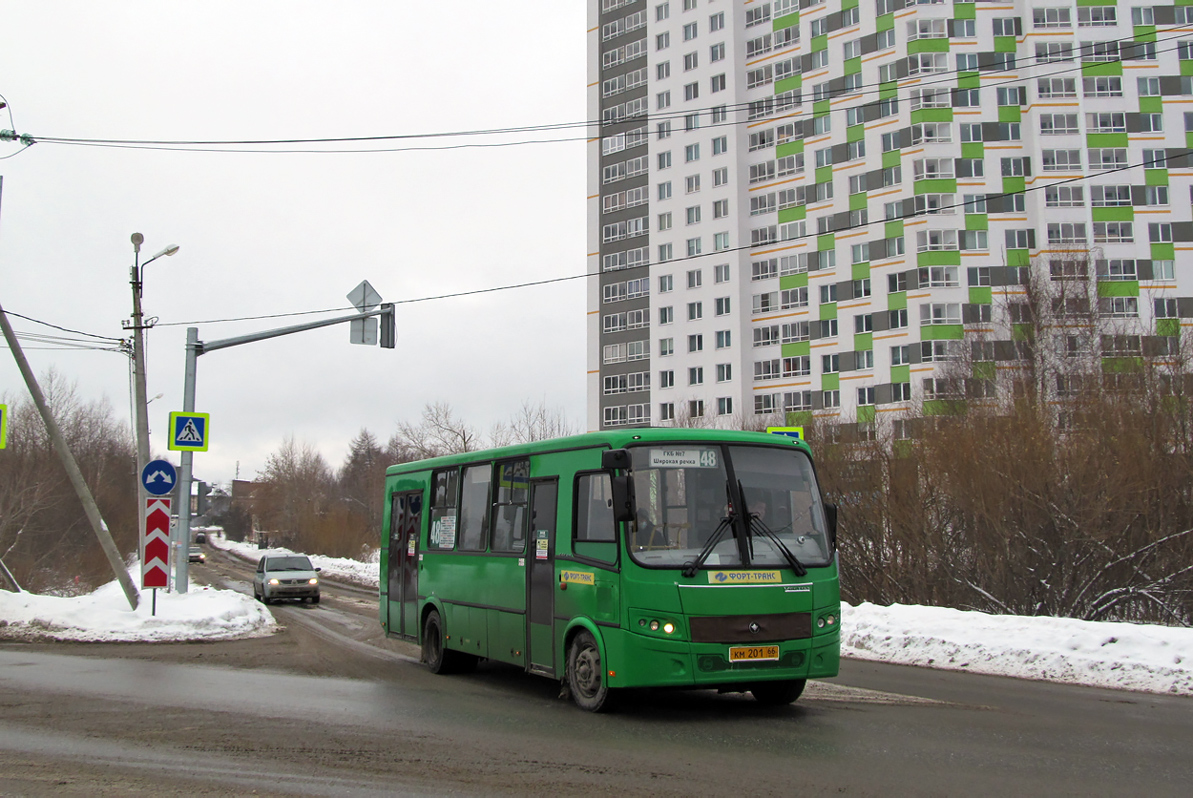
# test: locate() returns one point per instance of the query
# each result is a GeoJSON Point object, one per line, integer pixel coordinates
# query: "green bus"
{"type": "Point", "coordinates": [672, 558]}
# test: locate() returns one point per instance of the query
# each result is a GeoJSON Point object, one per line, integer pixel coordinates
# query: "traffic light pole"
{"type": "Point", "coordinates": [194, 348]}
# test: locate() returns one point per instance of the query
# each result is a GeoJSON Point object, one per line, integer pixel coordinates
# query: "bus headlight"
{"type": "Point", "coordinates": [827, 620]}
{"type": "Point", "coordinates": [668, 627]}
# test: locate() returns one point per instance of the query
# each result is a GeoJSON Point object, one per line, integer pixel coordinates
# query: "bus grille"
{"type": "Point", "coordinates": [751, 628]}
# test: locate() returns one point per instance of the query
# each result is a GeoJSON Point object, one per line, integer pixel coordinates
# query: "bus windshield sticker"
{"type": "Point", "coordinates": [443, 532]}
{"type": "Point", "coordinates": [683, 458]}
{"type": "Point", "coordinates": [744, 577]}
{"type": "Point", "coordinates": [577, 577]}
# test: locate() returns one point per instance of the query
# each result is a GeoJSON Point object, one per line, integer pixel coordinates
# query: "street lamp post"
{"type": "Point", "coordinates": [142, 404]}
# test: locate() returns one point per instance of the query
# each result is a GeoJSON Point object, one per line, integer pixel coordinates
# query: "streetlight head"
{"type": "Point", "coordinates": [137, 240]}
{"type": "Point", "coordinates": [170, 250]}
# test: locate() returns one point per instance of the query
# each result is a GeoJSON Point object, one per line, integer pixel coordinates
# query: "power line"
{"type": "Point", "coordinates": [63, 329]}
{"type": "Point", "coordinates": [234, 145]}
{"type": "Point", "coordinates": [683, 259]}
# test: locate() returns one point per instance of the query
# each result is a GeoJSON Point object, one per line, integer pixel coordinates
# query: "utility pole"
{"type": "Point", "coordinates": [69, 463]}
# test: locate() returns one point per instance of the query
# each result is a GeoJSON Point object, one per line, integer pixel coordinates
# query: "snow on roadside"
{"type": "Point", "coordinates": [1140, 657]}
{"type": "Point", "coordinates": [104, 616]}
{"type": "Point", "coordinates": [1124, 656]}
{"type": "Point", "coordinates": [366, 574]}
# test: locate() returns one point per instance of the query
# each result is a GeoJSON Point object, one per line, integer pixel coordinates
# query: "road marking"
{"type": "Point", "coordinates": [829, 691]}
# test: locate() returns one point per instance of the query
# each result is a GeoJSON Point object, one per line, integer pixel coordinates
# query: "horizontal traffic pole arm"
{"type": "Point", "coordinates": [203, 347]}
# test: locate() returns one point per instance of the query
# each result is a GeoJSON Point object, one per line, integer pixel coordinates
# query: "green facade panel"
{"type": "Point", "coordinates": [1155, 177]}
{"type": "Point", "coordinates": [941, 332]}
{"type": "Point", "coordinates": [1169, 327]}
{"type": "Point", "coordinates": [826, 242]}
{"type": "Point", "coordinates": [897, 300]}
{"type": "Point", "coordinates": [892, 158]}
{"type": "Point", "coordinates": [830, 382]}
{"type": "Point", "coordinates": [866, 414]}
{"type": "Point", "coordinates": [1108, 288]}
{"type": "Point", "coordinates": [795, 214]}
{"type": "Point", "coordinates": [900, 374]}
{"type": "Point", "coordinates": [863, 342]}
{"type": "Point", "coordinates": [1106, 140]}
{"type": "Point", "coordinates": [860, 271]}
{"type": "Point", "coordinates": [857, 202]}
{"type": "Point", "coordinates": [931, 115]}
{"type": "Point", "coordinates": [828, 311]}
{"type": "Point", "coordinates": [973, 149]}
{"type": "Point", "coordinates": [977, 221]}
{"type": "Point", "coordinates": [1113, 214]}
{"type": "Point", "coordinates": [935, 186]}
{"type": "Point", "coordinates": [797, 349]}
{"type": "Point", "coordinates": [941, 257]}
{"type": "Point", "coordinates": [790, 281]}
{"type": "Point", "coordinates": [1106, 69]}
{"type": "Point", "coordinates": [1163, 252]}
{"type": "Point", "coordinates": [894, 229]}
{"type": "Point", "coordinates": [1010, 113]}
{"type": "Point", "coordinates": [981, 295]}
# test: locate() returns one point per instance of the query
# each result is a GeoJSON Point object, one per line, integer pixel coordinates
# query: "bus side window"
{"type": "Point", "coordinates": [443, 509]}
{"type": "Point", "coordinates": [595, 531]}
{"type": "Point", "coordinates": [474, 507]}
{"type": "Point", "coordinates": [509, 509]}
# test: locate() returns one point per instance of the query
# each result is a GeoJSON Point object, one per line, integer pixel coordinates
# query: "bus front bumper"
{"type": "Point", "coordinates": [634, 660]}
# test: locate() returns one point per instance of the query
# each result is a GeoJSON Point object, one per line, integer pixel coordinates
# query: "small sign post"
{"type": "Point", "coordinates": [188, 431]}
{"type": "Point", "coordinates": [159, 478]}
{"type": "Point", "coordinates": [3, 426]}
{"type": "Point", "coordinates": [790, 432]}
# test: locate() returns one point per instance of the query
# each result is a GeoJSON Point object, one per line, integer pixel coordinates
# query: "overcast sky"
{"type": "Point", "coordinates": [278, 233]}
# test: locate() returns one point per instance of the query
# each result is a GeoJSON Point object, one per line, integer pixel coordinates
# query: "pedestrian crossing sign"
{"type": "Point", "coordinates": [188, 432]}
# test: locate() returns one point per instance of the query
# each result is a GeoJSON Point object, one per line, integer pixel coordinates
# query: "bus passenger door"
{"type": "Point", "coordinates": [540, 578]}
{"type": "Point", "coordinates": [405, 520]}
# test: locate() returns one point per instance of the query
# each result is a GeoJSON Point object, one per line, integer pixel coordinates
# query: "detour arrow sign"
{"type": "Point", "coordinates": [155, 550]}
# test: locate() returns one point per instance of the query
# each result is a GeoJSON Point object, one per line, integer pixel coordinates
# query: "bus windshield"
{"type": "Point", "coordinates": [685, 499]}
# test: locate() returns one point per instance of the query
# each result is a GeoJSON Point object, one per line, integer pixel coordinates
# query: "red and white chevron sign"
{"type": "Point", "coordinates": [155, 556]}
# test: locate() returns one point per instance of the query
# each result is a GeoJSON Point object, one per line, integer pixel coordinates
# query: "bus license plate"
{"type": "Point", "coordinates": [754, 654]}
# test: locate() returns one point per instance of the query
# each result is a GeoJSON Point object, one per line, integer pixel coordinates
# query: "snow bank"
{"type": "Point", "coordinates": [1154, 659]}
{"type": "Point", "coordinates": [367, 574]}
{"type": "Point", "coordinates": [104, 616]}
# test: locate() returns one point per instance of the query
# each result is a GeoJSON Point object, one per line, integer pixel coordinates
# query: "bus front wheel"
{"type": "Point", "coordinates": [586, 676]}
{"type": "Point", "coordinates": [777, 694]}
{"type": "Point", "coordinates": [438, 658]}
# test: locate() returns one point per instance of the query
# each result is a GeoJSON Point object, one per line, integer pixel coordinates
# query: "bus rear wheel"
{"type": "Point", "coordinates": [438, 658]}
{"type": "Point", "coordinates": [777, 694]}
{"type": "Point", "coordinates": [586, 676]}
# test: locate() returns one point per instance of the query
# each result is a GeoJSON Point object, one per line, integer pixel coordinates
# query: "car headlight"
{"type": "Point", "coordinates": [314, 581]}
{"type": "Point", "coordinates": [274, 582]}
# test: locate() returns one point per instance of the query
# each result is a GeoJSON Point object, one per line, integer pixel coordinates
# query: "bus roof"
{"type": "Point", "coordinates": [611, 440]}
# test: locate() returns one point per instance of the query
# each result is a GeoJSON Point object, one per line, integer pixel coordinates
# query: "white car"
{"type": "Point", "coordinates": [286, 576]}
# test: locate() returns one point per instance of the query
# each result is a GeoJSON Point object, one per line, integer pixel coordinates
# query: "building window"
{"type": "Point", "coordinates": [695, 343]}
{"type": "Point", "coordinates": [666, 347]}
{"type": "Point", "coordinates": [724, 405]}
{"type": "Point", "coordinates": [724, 339]}
{"type": "Point", "coordinates": [695, 311]}
{"type": "Point", "coordinates": [724, 372]}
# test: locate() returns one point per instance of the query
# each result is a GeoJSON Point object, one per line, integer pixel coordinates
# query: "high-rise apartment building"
{"type": "Point", "coordinates": [812, 208]}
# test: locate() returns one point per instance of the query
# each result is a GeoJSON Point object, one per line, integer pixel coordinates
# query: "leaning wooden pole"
{"type": "Point", "coordinates": [68, 462]}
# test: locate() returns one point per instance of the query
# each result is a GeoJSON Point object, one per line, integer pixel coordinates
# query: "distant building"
{"type": "Point", "coordinates": [800, 209]}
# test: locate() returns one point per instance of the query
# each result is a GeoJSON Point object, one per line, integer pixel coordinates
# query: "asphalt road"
{"type": "Point", "coordinates": [329, 707]}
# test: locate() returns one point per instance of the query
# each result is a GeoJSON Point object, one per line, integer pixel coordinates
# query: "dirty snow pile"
{"type": "Point", "coordinates": [104, 616]}
{"type": "Point", "coordinates": [365, 574]}
{"type": "Point", "coordinates": [1125, 656]}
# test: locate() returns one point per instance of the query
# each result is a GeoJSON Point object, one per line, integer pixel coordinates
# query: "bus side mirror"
{"type": "Point", "coordinates": [830, 517]}
{"type": "Point", "coordinates": [623, 498]}
{"type": "Point", "coordinates": [615, 459]}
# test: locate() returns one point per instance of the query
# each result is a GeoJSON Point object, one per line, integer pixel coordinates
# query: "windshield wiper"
{"type": "Point", "coordinates": [758, 526]}
{"type": "Point", "coordinates": [689, 569]}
